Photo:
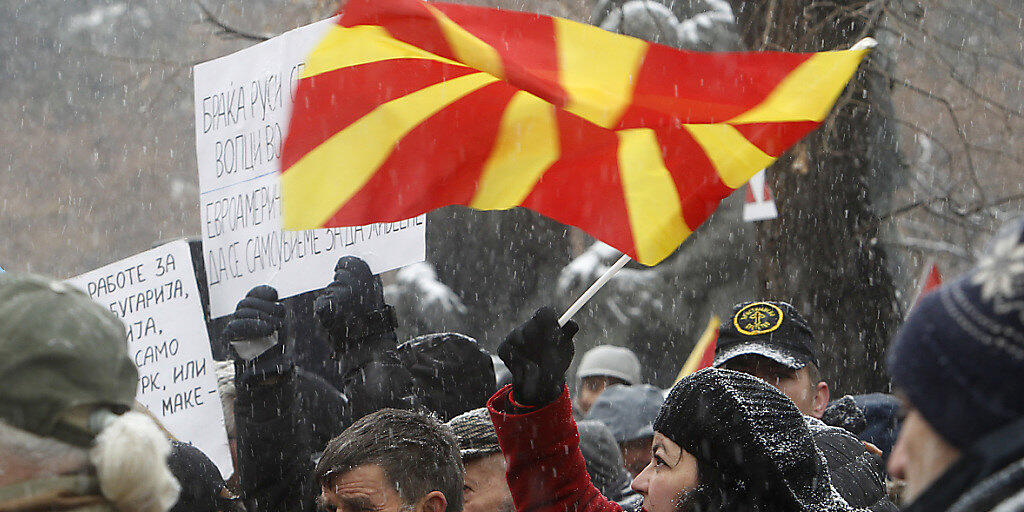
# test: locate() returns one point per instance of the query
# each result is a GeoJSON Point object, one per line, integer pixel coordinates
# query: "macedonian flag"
{"type": "Point", "coordinates": [407, 106]}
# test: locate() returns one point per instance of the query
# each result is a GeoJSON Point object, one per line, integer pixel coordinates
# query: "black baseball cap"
{"type": "Point", "coordinates": [769, 329]}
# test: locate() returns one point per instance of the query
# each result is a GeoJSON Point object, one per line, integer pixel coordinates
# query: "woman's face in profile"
{"type": "Point", "coordinates": [671, 474]}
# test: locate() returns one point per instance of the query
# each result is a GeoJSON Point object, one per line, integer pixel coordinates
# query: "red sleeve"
{"type": "Point", "coordinates": [546, 471]}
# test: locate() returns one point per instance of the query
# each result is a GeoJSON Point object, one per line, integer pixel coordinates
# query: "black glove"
{"type": "Point", "coordinates": [256, 335]}
{"type": "Point", "coordinates": [352, 307]}
{"type": "Point", "coordinates": [537, 354]}
{"type": "Point", "coordinates": [258, 315]}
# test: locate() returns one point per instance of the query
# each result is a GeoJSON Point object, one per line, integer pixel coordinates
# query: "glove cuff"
{"type": "Point", "coordinates": [249, 349]}
{"type": "Point", "coordinates": [272, 362]}
{"type": "Point", "coordinates": [539, 397]}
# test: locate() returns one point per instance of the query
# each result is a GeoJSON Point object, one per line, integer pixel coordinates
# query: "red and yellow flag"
{"type": "Point", "coordinates": [703, 353]}
{"type": "Point", "coordinates": [407, 106]}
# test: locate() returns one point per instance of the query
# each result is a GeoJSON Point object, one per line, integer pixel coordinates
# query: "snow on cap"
{"type": "Point", "coordinates": [774, 330]}
{"type": "Point", "coordinates": [610, 361]}
{"type": "Point", "coordinates": [750, 432]}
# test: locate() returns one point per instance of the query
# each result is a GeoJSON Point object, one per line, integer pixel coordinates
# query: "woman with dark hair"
{"type": "Point", "coordinates": [724, 441]}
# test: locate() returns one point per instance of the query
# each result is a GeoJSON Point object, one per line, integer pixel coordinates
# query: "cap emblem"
{"type": "Point", "coordinates": [758, 318]}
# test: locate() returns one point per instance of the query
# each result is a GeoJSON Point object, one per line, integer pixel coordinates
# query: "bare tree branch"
{"type": "Point", "coordinates": [925, 245]}
{"type": "Point", "coordinates": [907, 208]}
{"type": "Point", "coordinates": [229, 30]}
{"type": "Point", "coordinates": [136, 61]}
{"type": "Point", "coordinates": [996, 202]}
{"type": "Point", "coordinates": [1017, 65]}
{"type": "Point", "coordinates": [952, 114]}
{"type": "Point", "coordinates": [990, 103]}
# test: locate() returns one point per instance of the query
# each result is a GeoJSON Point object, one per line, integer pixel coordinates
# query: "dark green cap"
{"type": "Point", "coordinates": [59, 350]}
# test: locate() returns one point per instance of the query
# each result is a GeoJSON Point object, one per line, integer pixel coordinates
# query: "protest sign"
{"type": "Point", "coordinates": [242, 107]}
{"type": "Point", "coordinates": [155, 294]}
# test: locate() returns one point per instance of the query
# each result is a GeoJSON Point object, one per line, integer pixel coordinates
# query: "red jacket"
{"type": "Point", "coordinates": [546, 472]}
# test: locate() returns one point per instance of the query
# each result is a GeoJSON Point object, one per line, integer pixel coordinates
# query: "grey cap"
{"type": "Point", "coordinates": [476, 434]}
{"type": "Point", "coordinates": [603, 459]}
{"type": "Point", "coordinates": [628, 411]}
{"type": "Point", "coordinates": [59, 350]}
{"type": "Point", "coordinates": [610, 361]}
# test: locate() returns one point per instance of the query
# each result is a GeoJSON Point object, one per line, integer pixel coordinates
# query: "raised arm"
{"type": "Point", "coordinates": [533, 419]}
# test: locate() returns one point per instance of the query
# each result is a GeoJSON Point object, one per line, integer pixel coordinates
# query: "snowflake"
{"type": "Point", "coordinates": [1000, 273]}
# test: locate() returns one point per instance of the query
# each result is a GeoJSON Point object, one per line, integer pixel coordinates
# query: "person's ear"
{"type": "Point", "coordinates": [434, 501]}
{"type": "Point", "coordinates": [821, 398]}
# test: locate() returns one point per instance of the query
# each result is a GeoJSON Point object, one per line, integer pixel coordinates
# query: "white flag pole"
{"type": "Point", "coordinates": [593, 289]}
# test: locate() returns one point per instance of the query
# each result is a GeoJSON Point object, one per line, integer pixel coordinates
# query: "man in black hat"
{"type": "Point", "coordinates": [772, 341]}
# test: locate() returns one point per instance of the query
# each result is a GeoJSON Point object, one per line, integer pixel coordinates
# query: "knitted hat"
{"type": "Point", "coordinates": [770, 329]}
{"type": "Point", "coordinates": [59, 350]}
{"type": "Point", "coordinates": [741, 427]}
{"type": "Point", "coordinates": [610, 361]}
{"type": "Point", "coordinates": [628, 411]}
{"type": "Point", "coordinates": [476, 434]}
{"type": "Point", "coordinates": [960, 355]}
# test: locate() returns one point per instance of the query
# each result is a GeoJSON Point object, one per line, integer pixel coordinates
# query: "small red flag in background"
{"type": "Point", "coordinates": [760, 203]}
{"type": "Point", "coordinates": [930, 280]}
{"type": "Point", "coordinates": [703, 353]}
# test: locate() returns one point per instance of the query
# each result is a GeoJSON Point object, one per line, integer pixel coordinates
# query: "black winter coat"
{"type": "Point", "coordinates": [285, 416]}
{"type": "Point", "coordinates": [857, 474]}
{"type": "Point", "coordinates": [282, 422]}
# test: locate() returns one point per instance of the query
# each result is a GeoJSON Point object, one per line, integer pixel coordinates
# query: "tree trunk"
{"type": "Point", "coordinates": [822, 254]}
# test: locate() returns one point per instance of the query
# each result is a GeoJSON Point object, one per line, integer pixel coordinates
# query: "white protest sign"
{"type": "Point", "coordinates": [242, 108]}
{"type": "Point", "coordinates": [155, 295]}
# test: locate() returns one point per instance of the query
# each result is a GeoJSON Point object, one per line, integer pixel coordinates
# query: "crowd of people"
{"type": "Point", "coordinates": [437, 424]}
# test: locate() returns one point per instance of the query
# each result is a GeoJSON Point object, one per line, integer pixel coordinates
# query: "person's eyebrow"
{"type": "Point", "coordinates": [664, 454]}
{"type": "Point", "coordinates": [358, 502]}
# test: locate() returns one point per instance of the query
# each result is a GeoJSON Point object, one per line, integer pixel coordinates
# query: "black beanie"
{"type": "Point", "coordinates": [745, 429]}
{"type": "Point", "coordinates": [200, 480]}
{"type": "Point", "coordinates": [451, 370]}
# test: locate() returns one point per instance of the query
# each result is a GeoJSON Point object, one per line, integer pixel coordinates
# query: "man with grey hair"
{"type": "Point", "coordinates": [392, 461]}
